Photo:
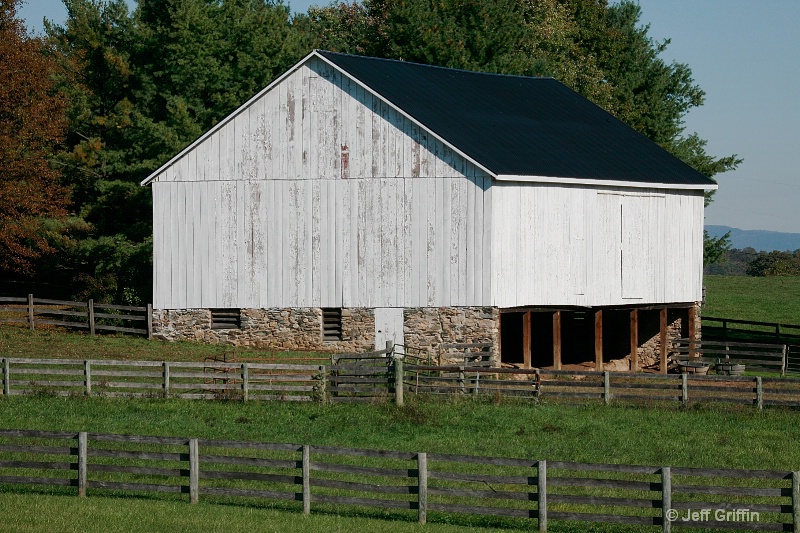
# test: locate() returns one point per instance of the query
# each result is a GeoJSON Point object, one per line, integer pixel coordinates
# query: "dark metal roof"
{"type": "Point", "coordinates": [521, 126]}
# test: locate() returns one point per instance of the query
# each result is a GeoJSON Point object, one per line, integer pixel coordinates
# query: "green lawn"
{"type": "Point", "coordinates": [768, 299]}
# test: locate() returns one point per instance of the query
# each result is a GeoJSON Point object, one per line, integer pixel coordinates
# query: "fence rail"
{"type": "Point", "coordinates": [422, 483]}
{"type": "Point", "coordinates": [87, 315]}
{"type": "Point", "coordinates": [376, 379]}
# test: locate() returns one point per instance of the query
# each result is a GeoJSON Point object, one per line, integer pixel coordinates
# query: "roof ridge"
{"type": "Point", "coordinates": [440, 67]}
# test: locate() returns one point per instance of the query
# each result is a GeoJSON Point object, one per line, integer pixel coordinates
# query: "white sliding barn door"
{"type": "Point", "coordinates": [388, 326]}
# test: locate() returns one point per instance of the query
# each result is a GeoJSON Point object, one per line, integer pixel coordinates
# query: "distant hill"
{"type": "Point", "coordinates": [760, 240]}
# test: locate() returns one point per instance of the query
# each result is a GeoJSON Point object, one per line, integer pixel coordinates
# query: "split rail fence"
{"type": "Point", "coordinates": [89, 315]}
{"type": "Point", "coordinates": [442, 487]}
{"type": "Point", "coordinates": [375, 380]}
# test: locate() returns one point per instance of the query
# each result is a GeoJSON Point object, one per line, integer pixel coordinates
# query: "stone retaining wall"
{"type": "Point", "coordinates": [296, 329]}
{"type": "Point", "coordinates": [430, 327]}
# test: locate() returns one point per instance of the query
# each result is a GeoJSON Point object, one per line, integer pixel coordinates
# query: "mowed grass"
{"type": "Point", "coordinates": [56, 343]}
{"type": "Point", "coordinates": [767, 299]}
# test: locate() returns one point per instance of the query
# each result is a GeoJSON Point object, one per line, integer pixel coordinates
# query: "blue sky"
{"type": "Point", "coordinates": [745, 55]}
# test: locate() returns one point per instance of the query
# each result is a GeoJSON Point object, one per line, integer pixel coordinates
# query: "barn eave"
{"type": "Point", "coordinates": [605, 182]}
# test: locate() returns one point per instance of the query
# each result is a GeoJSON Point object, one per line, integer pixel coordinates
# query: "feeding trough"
{"type": "Point", "coordinates": [693, 367]}
{"type": "Point", "coordinates": [726, 368]}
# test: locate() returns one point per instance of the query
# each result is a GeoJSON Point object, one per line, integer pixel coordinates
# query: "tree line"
{"type": "Point", "coordinates": [95, 105]}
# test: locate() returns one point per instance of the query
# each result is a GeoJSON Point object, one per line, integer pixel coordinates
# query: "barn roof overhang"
{"type": "Point", "coordinates": [606, 183]}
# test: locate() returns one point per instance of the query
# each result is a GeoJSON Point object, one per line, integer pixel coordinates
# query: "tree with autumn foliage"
{"type": "Point", "coordinates": [33, 123]}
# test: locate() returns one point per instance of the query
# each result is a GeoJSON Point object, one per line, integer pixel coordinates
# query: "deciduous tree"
{"type": "Point", "coordinates": [32, 125]}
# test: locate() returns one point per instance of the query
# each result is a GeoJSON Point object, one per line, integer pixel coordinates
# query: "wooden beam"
{"type": "Point", "coordinates": [526, 340]}
{"type": "Point", "coordinates": [634, 340]}
{"type": "Point", "coordinates": [692, 328]}
{"type": "Point", "coordinates": [598, 340]}
{"type": "Point", "coordinates": [557, 340]}
{"type": "Point", "coordinates": [663, 338]}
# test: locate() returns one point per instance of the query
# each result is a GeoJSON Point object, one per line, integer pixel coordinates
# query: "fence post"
{"type": "Point", "coordinates": [6, 376]}
{"type": "Point", "coordinates": [90, 306]}
{"type": "Point", "coordinates": [541, 495]}
{"type": "Point", "coordinates": [306, 479]}
{"type": "Point", "coordinates": [30, 311]}
{"type": "Point", "coordinates": [149, 321]}
{"type": "Point", "coordinates": [666, 499]}
{"type": "Point", "coordinates": [166, 379]}
{"type": "Point", "coordinates": [323, 384]}
{"type": "Point", "coordinates": [785, 360]}
{"type": "Point", "coordinates": [83, 439]}
{"type": "Point", "coordinates": [194, 471]}
{"type": "Point", "coordinates": [422, 485]}
{"type": "Point", "coordinates": [606, 387]}
{"type": "Point", "coordinates": [796, 502]}
{"type": "Point", "coordinates": [245, 382]}
{"type": "Point", "coordinates": [759, 393]}
{"type": "Point", "coordinates": [461, 379]}
{"type": "Point", "coordinates": [87, 376]}
{"type": "Point", "coordinates": [398, 381]}
{"type": "Point", "coordinates": [684, 388]}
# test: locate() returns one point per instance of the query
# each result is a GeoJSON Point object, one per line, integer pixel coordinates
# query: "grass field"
{"type": "Point", "coordinates": [700, 436]}
{"type": "Point", "coordinates": [768, 299]}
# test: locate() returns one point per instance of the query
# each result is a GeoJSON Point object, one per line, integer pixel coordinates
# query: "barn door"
{"type": "Point", "coordinates": [388, 326]}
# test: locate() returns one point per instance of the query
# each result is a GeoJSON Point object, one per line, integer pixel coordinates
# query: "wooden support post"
{"type": "Point", "coordinates": [245, 382]}
{"type": "Point", "coordinates": [422, 485]}
{"type": "Point", "coordinates": [662, 327]}
{"type": "Point", "coordinates": [796, 502]}
{"type": "Point", "coordinates": [759, 394]}
{"type": "Point", "coordinates": [398, 381]}
{"type": "Point", "coordinates": [541, 495]}
{"type": "Point", "coordinates": [634, 340]}
{"type": "Point", "coordinates": [606, 388]}
{"type": "Point", "coordinates": [87, 376]}
{"type": "Point", "coordinates": [785, 360]}
{"type": "Point", "coordinates": [692, 330]}
{"type": "Point", "coordinates": [90, 307]}
{"type": "Point", "coordinates": [557, 340]}
{"type": "Point", "coordinates": [166, 379]}
{"type": "Point", "coordinates": [684, 389]}
{"type": "Point", "coordinates": [194, 471]}
{"type": "Point", "coordinates": [149, 321]}
{"type": "Point", "coordinates": [30, 311]}
{"type": "Point", "coordinates": [598, 340]}
{"type": "Point", "coordinates": [323, 383]}
{"type": "Point", "coordinates": [666, 499]}
{"type": "Point", "coordinates": [83, 439]}
{"type": "Point", "coordinates": [526, 340]}
{"type": "Point", "coordinates": [6, 376]}
{"type": "Point", "coordinates": [306, 479]}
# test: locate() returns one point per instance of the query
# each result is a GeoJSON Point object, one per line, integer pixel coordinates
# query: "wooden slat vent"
{"type": "Point", "coordinates": [332, 324]}
{"type": "Point", "coordinates": [226, 319]}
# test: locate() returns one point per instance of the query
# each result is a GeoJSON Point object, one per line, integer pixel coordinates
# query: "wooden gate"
{"type": "Point", "coordinates": [361, 377]}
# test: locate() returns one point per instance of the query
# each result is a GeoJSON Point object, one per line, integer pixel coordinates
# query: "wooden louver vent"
{"type": "Point", "coordinates": [226, 318]}
{"type": "Point", "coordinates": [331, 324]}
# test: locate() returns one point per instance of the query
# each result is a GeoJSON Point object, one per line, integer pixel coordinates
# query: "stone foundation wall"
{"type": "Point", "coordinates": [430, 327]}
{"type": "Point", "coordinates": [276, 329]}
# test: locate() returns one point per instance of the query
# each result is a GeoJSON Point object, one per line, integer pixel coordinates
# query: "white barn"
{"type": "Point", "coordinates": [357, 200]}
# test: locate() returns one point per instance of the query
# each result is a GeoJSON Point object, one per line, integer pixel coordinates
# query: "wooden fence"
{"type": "Point", "coordinates": [730, 329]}
{"type": "Point", "coordinates": [361, 377]}
{"type": "Point", "coordinates": [89, 316]}
{"type": "Point", "coordinates": [438, 486]}
{"type": "Point", "coordinates": [156, 379]}
{"type": "Point", "coordinates": [768, 357]}
{"type": "Point", "coordinates": [375, 380]}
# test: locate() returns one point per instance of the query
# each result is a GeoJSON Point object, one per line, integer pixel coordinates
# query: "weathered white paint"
{"type": "Point", "coordinates": [316, 124]}
{"type": "Point", "coordinates": [582, 246]}
{"type": "Point", "coordinates": [319, 194]}
{"type": "Point", "coordinates": [388, 326]}
{"type": "Point", "coordinates": [316, 243]}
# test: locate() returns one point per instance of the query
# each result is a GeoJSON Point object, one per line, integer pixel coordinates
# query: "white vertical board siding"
{"type": "Point", "coordinates": [321, 243]}
{"type": "Point", "coordinates": [585, 246]}
{"type": "Point", "coordinates": [317, 124]}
